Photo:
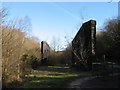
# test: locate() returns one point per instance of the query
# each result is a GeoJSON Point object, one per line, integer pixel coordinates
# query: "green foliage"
{"type": "Point", "coordinates": [35, 63]}
{"type": "Point", "coordinates": [24, 57]}
{"type": "Point", "coordinates": [30, 61]}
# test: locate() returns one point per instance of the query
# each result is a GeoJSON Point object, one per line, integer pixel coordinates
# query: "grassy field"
{"type": "Point", "coordinates": [52, 77]}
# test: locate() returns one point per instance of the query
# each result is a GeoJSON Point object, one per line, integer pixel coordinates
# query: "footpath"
{"type": "Point", "coordinates": [109, 81]}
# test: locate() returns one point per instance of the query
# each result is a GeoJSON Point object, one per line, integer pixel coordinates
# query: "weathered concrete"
{"type": "Point", "coordinates": [45, 51]}
{"type": "Point", "coordinates": [84, 44]}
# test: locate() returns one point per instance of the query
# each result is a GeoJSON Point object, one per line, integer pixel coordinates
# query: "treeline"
{"type": "Point", "coordinates": [107, 44]}
{"type": "Point", "coordinates": [61, 57]}
{"type": "Point", "coordinates": [108, 41]}
{"type": "Point", "coordinates": [19, 49]}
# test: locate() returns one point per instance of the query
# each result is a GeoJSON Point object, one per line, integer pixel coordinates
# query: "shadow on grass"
{"type": "Point", "coordinates": [12, 84]}
{"type": "Point", "coordinates": [50, 77]}
{"type": "Point", "coordinates": [47, 82]}
{"type": "Point", "coordinates": [60, 69]}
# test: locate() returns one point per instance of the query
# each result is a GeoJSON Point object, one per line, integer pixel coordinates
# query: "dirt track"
{"type": "Point", "coordinates": [96, 82]}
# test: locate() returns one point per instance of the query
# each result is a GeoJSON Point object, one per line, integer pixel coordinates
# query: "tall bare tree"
{"type": "Point", "coordinates": [15, 43]}
{"type": "Point", "coordinates": [55, 43]}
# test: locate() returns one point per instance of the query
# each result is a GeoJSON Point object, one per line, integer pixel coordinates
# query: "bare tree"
{"type": "Point", "coordinates": [55, 44]}
{"type": "Point", "coordinates": [15, 43]}
{"type": "Point", "coordinates": [3, 15]}
{"type": "Point", "coordinates": [110, 40]}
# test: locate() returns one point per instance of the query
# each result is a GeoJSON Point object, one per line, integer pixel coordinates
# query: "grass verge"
{"type": "Point", "coordinates": [52, 77]}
